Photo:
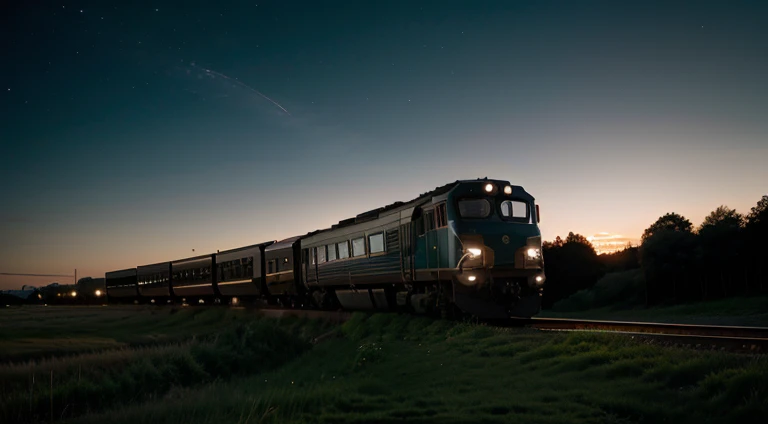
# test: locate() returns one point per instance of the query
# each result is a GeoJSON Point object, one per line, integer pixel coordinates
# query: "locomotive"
{"type": "Point", "coordinates": [469, 247]}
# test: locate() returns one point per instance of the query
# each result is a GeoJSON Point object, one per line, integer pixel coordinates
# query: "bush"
{"type": "Point", "coordinates": [619, 290]}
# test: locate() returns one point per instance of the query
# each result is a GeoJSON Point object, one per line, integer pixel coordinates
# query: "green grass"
{"type": "Point", "coordinates": [620, 296]}
{"type": "Point", "coordinates": [387, 368]}
{"type": "Point", "coordinates": [160, 350]}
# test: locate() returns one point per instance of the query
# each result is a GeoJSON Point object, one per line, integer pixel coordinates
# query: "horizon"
{"type": "Point", "coordinates": [8, 282]}
{"type": "Point", "coordinates": [136, 134]}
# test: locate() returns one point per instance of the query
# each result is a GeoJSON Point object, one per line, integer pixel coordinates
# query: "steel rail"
{"type": "Point", "coordinates": [650, 327]}
{"type": "Point", "coordinates": [732, 337]}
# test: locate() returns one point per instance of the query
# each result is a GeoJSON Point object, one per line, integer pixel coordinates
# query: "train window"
{"type": "Point", "coordinates": [271, 267]}
{"type": "Point", "coordinates": [249, 268]}
{"type": "Point", "coordinates": [376, 242]}
{"type": "Point", "coordinates": [429, 220]}
{"type": "Point", "coordinates": [441, 220]}
{"type": "Point", "coordinates": [514, 209]}
{"type": "Point", "coordinates": [313, 255]}
{"type": "Point", "coordinates": [358, 247]}
{"type": "Point", "coordinates": [331, 252]}
{"type": "Point", "coordinates": [320, 254]}
{"type": "Point", "coordinates": [343, 249]}
{"type": "Point", "coordinates": [474, 208]}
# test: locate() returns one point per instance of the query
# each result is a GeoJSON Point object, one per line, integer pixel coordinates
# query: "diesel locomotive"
{"type": "Point", "coordinates": [468, 247]}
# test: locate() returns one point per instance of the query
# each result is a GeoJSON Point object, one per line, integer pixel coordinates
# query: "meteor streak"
{"type": "Point", "coordinates": [242, 84]}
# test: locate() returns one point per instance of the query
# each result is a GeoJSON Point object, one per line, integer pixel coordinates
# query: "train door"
{"type": "Point", "coordinates": [406, 251]}
{"type": "Point", "coordinates": [431, 239]}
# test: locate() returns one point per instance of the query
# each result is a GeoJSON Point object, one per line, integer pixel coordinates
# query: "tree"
{"type": "Point", "coordinates": [667, 253]}
{"type": "Point", "coordinates": [723, 216]}
{"type": "Point", "coordinates": [571, 266]}
{"type": "Point", "coordinates": [759, 213]}
{"type": "Point", "coordinates": [578, 238]}
{"type": "Point", "coordinates": [756, 246]}
{"type": "Point", "coordinates": [720, 248]}
{"type": "Point", "coordinates": [670, 221]}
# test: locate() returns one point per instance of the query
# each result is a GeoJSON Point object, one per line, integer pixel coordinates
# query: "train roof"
{"type": "Point", "coordinates": [375, 213]}
{"type": "Point", "coordinates": [437, 191]}
{"type": "Point", "coordinates": [282, 244]}
{"type": "Point", "coordinates": [120, 271]}
{"type": "Point", "coordinates": [193, 258]}
{"type": "Point", "coordinates": [237, 249]}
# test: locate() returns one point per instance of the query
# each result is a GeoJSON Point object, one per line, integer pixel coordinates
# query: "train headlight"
{"type": "Point", "coordinates": [73, 294]}
{"type": "Point", "coordinates": [508, 190]}
{"type": "Point", "coordinates": [533, 253]}
{"type": "Point", "coordinates": [97, 293]}
{"type": "Point", "coordinates": [474, 252]}
{"type": "Point", "coordinates": [539, 278]}
{"type": "Point", "coordinates": [471, 278]}
{"type": "Point", "coordinates": [489, 187]}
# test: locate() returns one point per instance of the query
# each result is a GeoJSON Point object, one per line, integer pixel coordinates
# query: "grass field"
{"type": "Point", "coordinates": [230, 367]}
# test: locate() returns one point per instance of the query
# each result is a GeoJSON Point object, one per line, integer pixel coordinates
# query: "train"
{"type": "Point", "coordinates": [471, 247]}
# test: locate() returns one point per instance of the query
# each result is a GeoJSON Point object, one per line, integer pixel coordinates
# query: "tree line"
{"type": "Point", "coordinates": [725, 256]}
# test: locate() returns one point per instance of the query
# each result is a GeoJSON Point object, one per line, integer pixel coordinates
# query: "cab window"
{"type": "Point", "coordinates": [474, 208]}
{"type": "Point", "coordinates": [514, 209]}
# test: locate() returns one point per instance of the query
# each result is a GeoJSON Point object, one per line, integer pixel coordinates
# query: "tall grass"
{"type": "Point", "coordinates": [63, 387]}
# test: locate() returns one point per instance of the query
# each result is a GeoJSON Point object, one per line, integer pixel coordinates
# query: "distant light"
{"type": "Point", "coordinates": [235, 301]}
{"type": "Point", "coordinates": [508, 190]}
{"type": "Point", "coordinates": [97, 293]}
{"type": "Point", "coordinates": [489, 187]}
{"type": "Point", "coordinates": [73, 294]}
{"type": "Point", "coordinates": [472, 278]}
{"type": "Point", "coordinates": [201, 301]}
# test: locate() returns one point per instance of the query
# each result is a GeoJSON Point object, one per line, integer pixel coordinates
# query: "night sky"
{"type": "Point", "coordinates": [134, 132]}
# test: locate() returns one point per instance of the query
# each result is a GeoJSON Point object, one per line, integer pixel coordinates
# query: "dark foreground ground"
{"type": "Point", "coordinates": [128, 365]}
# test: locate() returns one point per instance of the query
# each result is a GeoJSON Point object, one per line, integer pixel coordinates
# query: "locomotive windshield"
{"type": "Point", "coordinates": [474, 208]}
{"type": "Point", "coordinates": [508, 210]}
{"type": "Point", "coordinates": [514, 209]}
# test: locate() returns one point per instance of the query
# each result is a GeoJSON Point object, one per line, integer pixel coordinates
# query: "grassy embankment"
{"type": "Point", "coordinates": [621, 296]}
{"type": "Point", "coordinates": [386, 368]}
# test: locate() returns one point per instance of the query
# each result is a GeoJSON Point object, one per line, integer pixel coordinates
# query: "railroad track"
{"type": "Point", "coordinates": [706, 336]}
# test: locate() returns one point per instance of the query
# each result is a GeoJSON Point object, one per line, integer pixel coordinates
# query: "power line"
{"type": "Point", "coordinates": [35, 275]}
